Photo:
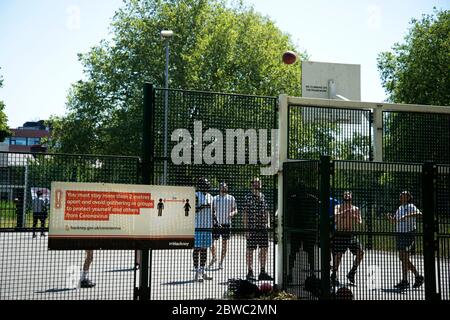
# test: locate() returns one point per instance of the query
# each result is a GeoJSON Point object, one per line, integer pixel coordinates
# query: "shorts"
{"type": "Point", "coordinates": [203, 239]}
{"type": "Point", "coordinates": [406, 241]}
{"type": "Point", "coordinates": [221, 231]}
{"type": "Point", "coordinates": [257, 239]}
{"type": "Point", "coordinates": [341, 243]}
{"type": "Point", "coordinates": [40, 215]}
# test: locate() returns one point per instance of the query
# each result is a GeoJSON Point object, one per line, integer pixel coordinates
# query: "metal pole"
{"type": "Point", "coordinates": [324, 225]}
{"type": "Point", "coordinates": [166, 110]}
{"type": "Point", "coordinates": [429, 229]}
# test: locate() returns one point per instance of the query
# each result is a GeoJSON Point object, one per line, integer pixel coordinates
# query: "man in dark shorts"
{"type": "Point", "coordinates": [224, 208]}
{"type": "Point", "coordinates": [346, 216]}
{"type": "Point", "coordinates": [406, 227]}
{"type": "Point", "coordinates": [256, 218]}
{"type": "Point", "coordinates": [40, 212]}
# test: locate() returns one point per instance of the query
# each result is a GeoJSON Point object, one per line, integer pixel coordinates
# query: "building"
{"type": "Point", "coordinates": [30, 137]}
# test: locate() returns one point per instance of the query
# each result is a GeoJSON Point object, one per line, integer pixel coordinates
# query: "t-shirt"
{"type": "Point", "coordinates": [203, 217]}
{"type": "Point", "coordinates": [223, 206]}
{"type": "Point", "coordinates": [256, 207]}
{"type": "Point", "coordinates": [38, 205]}
{"type": "Point", "coordinates": [409, 224]}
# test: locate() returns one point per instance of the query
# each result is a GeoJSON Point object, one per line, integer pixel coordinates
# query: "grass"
{"type": "Point", "coordinates": [8, 217]}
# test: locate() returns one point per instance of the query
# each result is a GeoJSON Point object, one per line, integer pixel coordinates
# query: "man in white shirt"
{"type": "Point", "coordinates": [224, 208]}
{"type": "Point", "coordinates": [406, 225]}
{"type": "Point", "coordinates": [203, 227]}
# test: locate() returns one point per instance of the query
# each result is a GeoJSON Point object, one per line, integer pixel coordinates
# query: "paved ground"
{"type": "Point", "coordinates": [376, 276]}
{"type": "Point", "coordinates": [29, 271]}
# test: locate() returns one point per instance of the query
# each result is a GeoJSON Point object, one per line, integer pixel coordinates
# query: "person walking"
{"type": "Point", "coordinates": [406, 226]}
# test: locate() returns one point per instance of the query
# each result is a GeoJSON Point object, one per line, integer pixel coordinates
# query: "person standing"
{"type": "Point", "coordinates": [39, 207]}
{"type": "Point", "coordinates": [406, 226]}
{"type": "Point", "coordinates": [346, 216]}
{"type": "Point", "coordinates": [224, 208]}
{"type": "Point", "coordinates": [256, 218]}
{"type": "Point", "coordinates": [203, 227]}
{"type": "Point", "coordinates": [84, 280]}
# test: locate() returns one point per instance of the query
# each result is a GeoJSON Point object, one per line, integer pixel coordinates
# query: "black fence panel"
{"type": "Point", "coordinates": [301, 229]}
{"type": "Point", "coordinates": [416, 137]}
{"type": "Point", "coordinates": [206, 121]}
{"type": "Point", "coordinates": [443, 229]}
{"type": "Point", "coordinates": [369, 247]}
{"type": "Point", "coordinates": [28, 269]}
{"type": "Point", "coordinates": [343, 134]}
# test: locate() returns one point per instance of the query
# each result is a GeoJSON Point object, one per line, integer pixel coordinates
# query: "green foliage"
{"type": "Point", "coordinates": [215, 47]}
{"type": "Point", "coordinates": [417, 71]}
{"type": "Point", "coordinates": [4, 129]}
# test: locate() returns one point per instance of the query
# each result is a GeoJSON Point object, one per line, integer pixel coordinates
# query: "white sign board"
{"type": "Point", "coordinates": [331, 81]}
{"type": "Point", "coordinates": [120, 216]}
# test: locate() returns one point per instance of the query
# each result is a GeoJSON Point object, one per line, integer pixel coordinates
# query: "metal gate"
{"type": "Point", "coordinates": [207, 118]}
{"type": "Point", "coordinates": [313, 241]}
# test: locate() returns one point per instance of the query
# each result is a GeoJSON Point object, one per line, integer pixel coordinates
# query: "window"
{"type": "Point", "coordinates": [19, 141]}
{"type": "Point", "coordinates": [32, 141]}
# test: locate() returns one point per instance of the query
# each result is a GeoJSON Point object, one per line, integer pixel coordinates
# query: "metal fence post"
{"type": "Point", "coordinates": [429, 228]}
{"type": "Point", "coordinates": [324, 224]}
{"type": "Point", "coordinates": [147, 178]}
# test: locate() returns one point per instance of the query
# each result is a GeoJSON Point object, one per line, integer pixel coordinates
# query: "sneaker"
{"type": "Point", "coordinates": [206, 277]}
{"type": "Point", "coordinates": [404, 284]}
{"type": "Point", "coordinates": [34, 235]}
{"type": "Point", "coordinates": [42, 234]}
{"type": "Point", "coordinates": [264, 276]}
{"type": "Point", "coordinates": [351, 277]}
{"type": "Point", "coordinates": [418, 282]}
{"type": "Point", "coordinates": [250, 275]}
{"type": "Point", "coordinates": [86, 283]}
{"type": "Point", "coordinates": [221, 265]}
{"type": "Point", "coordinates": [197, 277]}
{"type": "Point", "coordinates": [212, 263]}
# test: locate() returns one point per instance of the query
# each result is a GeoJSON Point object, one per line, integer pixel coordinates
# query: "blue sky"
{"type": "Point", "coordinates": [39, 42]}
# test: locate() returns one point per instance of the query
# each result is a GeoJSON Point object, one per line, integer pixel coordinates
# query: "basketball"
{"type": "Point", "coordinates": [344, 293]}
{"type": "Point", "coordinates": [289, 57]}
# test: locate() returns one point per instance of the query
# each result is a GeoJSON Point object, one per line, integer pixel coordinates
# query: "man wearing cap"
{"type": "Point", "coordinates": [406, 226]}
{"type": "Point", "coordinates": [224, 208]}
{"type": "Point", "coordinates": [346, 216]}
{"type": "Point", "coordinates": [203, 227]}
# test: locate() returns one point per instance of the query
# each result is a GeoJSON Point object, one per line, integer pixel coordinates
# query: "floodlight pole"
{"type": "Point", "coordinates": [166, 35]}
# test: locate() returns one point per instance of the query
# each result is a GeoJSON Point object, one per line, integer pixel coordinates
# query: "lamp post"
{"type": "Point", "coordinates": [166, 35]}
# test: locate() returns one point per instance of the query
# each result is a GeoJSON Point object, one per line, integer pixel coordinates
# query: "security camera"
{"type": "Point", "coordinates": [166, 33]}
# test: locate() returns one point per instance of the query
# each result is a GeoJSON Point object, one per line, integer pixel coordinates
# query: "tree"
{"type": "Point", "coordinates": [216, 47]}
{"type": "Point", "coordinates": [4, 130]}
{"type": "Point", "coordinates": [417, 72]}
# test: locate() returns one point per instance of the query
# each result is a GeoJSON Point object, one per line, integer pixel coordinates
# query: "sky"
{"type": "Point", "coordinates": [40, 40]}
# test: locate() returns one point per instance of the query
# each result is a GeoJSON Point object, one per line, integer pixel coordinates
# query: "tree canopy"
{"type": "Point", "coordinates": [417, 70]}
{"type": "Point", "coordinates": [4, 129]}
{"type": "Point", "coordinates": [216, 47]}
